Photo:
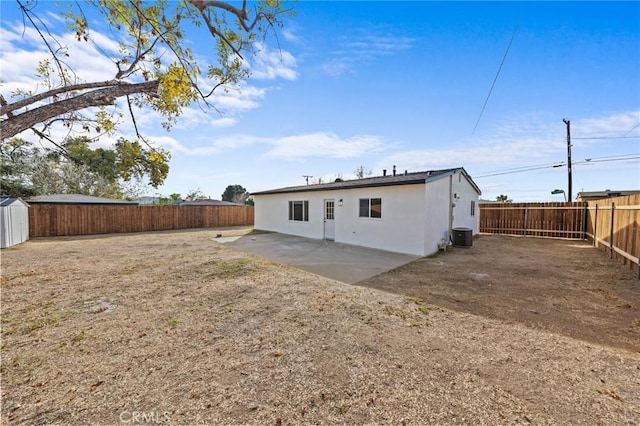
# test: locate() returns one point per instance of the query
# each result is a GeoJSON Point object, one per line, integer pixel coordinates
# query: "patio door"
{"type": "Point", "coordinates": [329, 223]}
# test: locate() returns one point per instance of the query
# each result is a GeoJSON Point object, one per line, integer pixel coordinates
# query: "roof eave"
{"type": "Point", "coordinates": [338, 188]}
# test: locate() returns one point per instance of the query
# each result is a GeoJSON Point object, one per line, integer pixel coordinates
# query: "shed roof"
{"type": "Point", "coordinates": [76, 199]}
{"type": "Point", "coordinates": [7, 201]}
{"type": "Point", "coordinates": [389, 180]}
{"type": "Point", "coordinates": [607, 193]}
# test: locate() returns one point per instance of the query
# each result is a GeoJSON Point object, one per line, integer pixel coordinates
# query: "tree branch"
{"type": "Point", "coordinates": [8, 108]}
{"type": "Point", "coordinates": [100, 97]}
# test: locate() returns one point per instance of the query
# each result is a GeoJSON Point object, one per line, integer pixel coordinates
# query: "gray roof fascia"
{"type": "Point", "coordinates": [350, 184]}
{"type": "Point", "coordinates": [416, 178]}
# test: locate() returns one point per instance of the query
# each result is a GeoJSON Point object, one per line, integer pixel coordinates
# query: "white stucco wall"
{"type": "Point", "coordinates": [272, 213]}
{"type": "Point", "coordinates": [436, 214]}
{"type": "Point", "coordinates": [400, 229]}
{"type": "Point", "coordinates": [462, 217]}
{"type": "Point", "coordinates": [414, 217]}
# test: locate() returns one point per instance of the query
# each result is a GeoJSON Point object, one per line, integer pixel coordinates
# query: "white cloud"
{"type": "Point", "coordinates": [317, 145]}
{"type": "Point", "coordinates": [322, 144]}
{"type": "Point", "coordinates": [515, 142]}
{"type": "Point", "coordinates": [22, 49]}
{"type": "Point", "coordinates": [290, 35]}
{"type": "Point", "coordinates": [242, 97]}
{"type": "Point", "coordinates": [270, 65]}
{"type": "Point", "coordinates": [612, 125]}
{"type": "Point", "coordinates": [364, 49]}
{"type": "Point", "coordinates": [337, 67]}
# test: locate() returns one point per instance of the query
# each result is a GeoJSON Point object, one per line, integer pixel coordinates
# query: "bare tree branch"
{"type": "Point", "coordinates": [8, 108]}
{"type": "Point", "coordinates": [100, 97]}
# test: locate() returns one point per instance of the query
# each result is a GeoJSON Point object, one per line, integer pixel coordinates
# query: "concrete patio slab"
{"type": "Point", "coordinates": [341, 262]}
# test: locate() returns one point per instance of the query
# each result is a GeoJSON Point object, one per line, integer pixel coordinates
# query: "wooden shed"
{"type": "Point", "coordinates": [14, 221]}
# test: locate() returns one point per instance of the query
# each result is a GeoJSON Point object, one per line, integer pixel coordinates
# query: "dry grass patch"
{"type": "Point", "coordinates": [188, 331]}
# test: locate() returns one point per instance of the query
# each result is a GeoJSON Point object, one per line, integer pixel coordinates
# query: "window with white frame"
{"type": "Point", "coordinates": [371, 207]}
{"type": "Point", "coordinates": [299, 211]}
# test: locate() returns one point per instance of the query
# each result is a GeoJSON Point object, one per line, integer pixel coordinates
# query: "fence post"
{"type": "Point", "coordinates": [613, 209]}
{"type": "Point", "coordinates": [595, 228]}
{"type": "Point", "coordinates": [638, 264]}
{"type": "Point", "coordinates": [525, 222]}
{"type": "Point", "coordinates": [584, 221]}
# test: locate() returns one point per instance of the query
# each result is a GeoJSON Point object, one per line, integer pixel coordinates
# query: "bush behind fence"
{"type": "Point", "coordinates": [64, 219]}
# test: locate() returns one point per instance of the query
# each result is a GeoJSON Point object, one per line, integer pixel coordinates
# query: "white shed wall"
{"type": "Point", "coordinates": [437, 196]}
{"type": "Point", "coordinates": [272, 213]}
{"type": "Point", "coordinates": [462, 217]}
{"type": "Point", "coordinates": [14, 224]}
{"type": "Point", "coordinates": [400, 229]}
{"type": "Point", "coordinates": [414, 217]}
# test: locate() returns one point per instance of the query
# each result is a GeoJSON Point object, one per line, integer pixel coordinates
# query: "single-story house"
{"type": "Point", "coordinates": [77, 199]}
{"type": "Point", "coordinates": [14, 221]}
{"type": "Point", "coordinates": [406, 213]}
{"type": "Point", "coordinates": [607, 193]}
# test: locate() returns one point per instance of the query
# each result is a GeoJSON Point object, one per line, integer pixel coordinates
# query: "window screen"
{"type": "Point", "coordinates": [371, 207]}
{"type": "Point", "coordinates": [299, 211]}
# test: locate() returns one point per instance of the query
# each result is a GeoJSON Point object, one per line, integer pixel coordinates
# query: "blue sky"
{"type": "Point", "coordinates": [380, 84]}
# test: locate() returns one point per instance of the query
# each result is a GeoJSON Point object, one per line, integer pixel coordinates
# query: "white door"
{"type": "Point", "coordinates": [329, 215]}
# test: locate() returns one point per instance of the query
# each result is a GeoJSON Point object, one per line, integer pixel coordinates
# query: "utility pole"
{"type": "Point", "coordinates": [307, 177]}
{"type": "Point", "coordinates": [570, 181]}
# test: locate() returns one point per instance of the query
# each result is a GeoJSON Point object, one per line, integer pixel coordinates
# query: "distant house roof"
{"type": "Point", "coordinates": [209, 202]}
{"type": "Point", "coordinates": [148, 200]}
{"type": "Point", "coordinates": [76, 199]}
{"type": "Point", "coordinates": [7, 201]}
{"type": "Point", "coordinates": [607, 193]}
{"type": "Point", "coordinates": [388, 180]}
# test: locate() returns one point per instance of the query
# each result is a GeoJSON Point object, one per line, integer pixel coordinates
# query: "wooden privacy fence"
{"type": "Point", "coordinates": [557, 220]}
{"type": "Point", "coordinates": [49, 220]}
{"type": "Point", "coordinates": [611, 224]}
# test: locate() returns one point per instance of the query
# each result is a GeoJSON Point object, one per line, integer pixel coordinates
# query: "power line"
{"type": "Point", "coordinates": [609, 137]}
{"type": "Point", "coordinates": [632, 129]}
{"type": "Point", "coordinates": [495, 79]}
{"type": "Point", "coordinates": [621, 157]}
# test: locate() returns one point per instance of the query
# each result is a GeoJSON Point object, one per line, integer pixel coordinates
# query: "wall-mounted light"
{"type": "Point", "coordinates": [456, 195]}
{"type": "Point", "coordinates": [340, 202]}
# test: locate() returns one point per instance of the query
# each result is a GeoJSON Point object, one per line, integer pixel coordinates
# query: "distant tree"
{"type": "Point", "coordinates": [16, 164]}
{"type": "Point", "coordinates": [363, 172]}
{"type": "Point", "coordinates": [74, 167]}
{"type": "Point", "coordinates": [503, 198]}
{"type": "Point", "coordinates": [250, 201]}
{"type": "Point", "coordinates": [235, 194]}
{"type": "Point", "coordinates": [175, 197]}
{"type": "Point", "coordinates": [195, 194]}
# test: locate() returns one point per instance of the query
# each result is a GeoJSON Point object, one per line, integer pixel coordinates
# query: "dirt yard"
{"type": "Point", "coordinates": [560, 286]}
{"type": "Point", "coordinates": [174, 327]}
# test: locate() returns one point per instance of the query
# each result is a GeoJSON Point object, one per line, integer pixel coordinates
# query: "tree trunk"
{"type": "Point", "coordinates": [13, 125]}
